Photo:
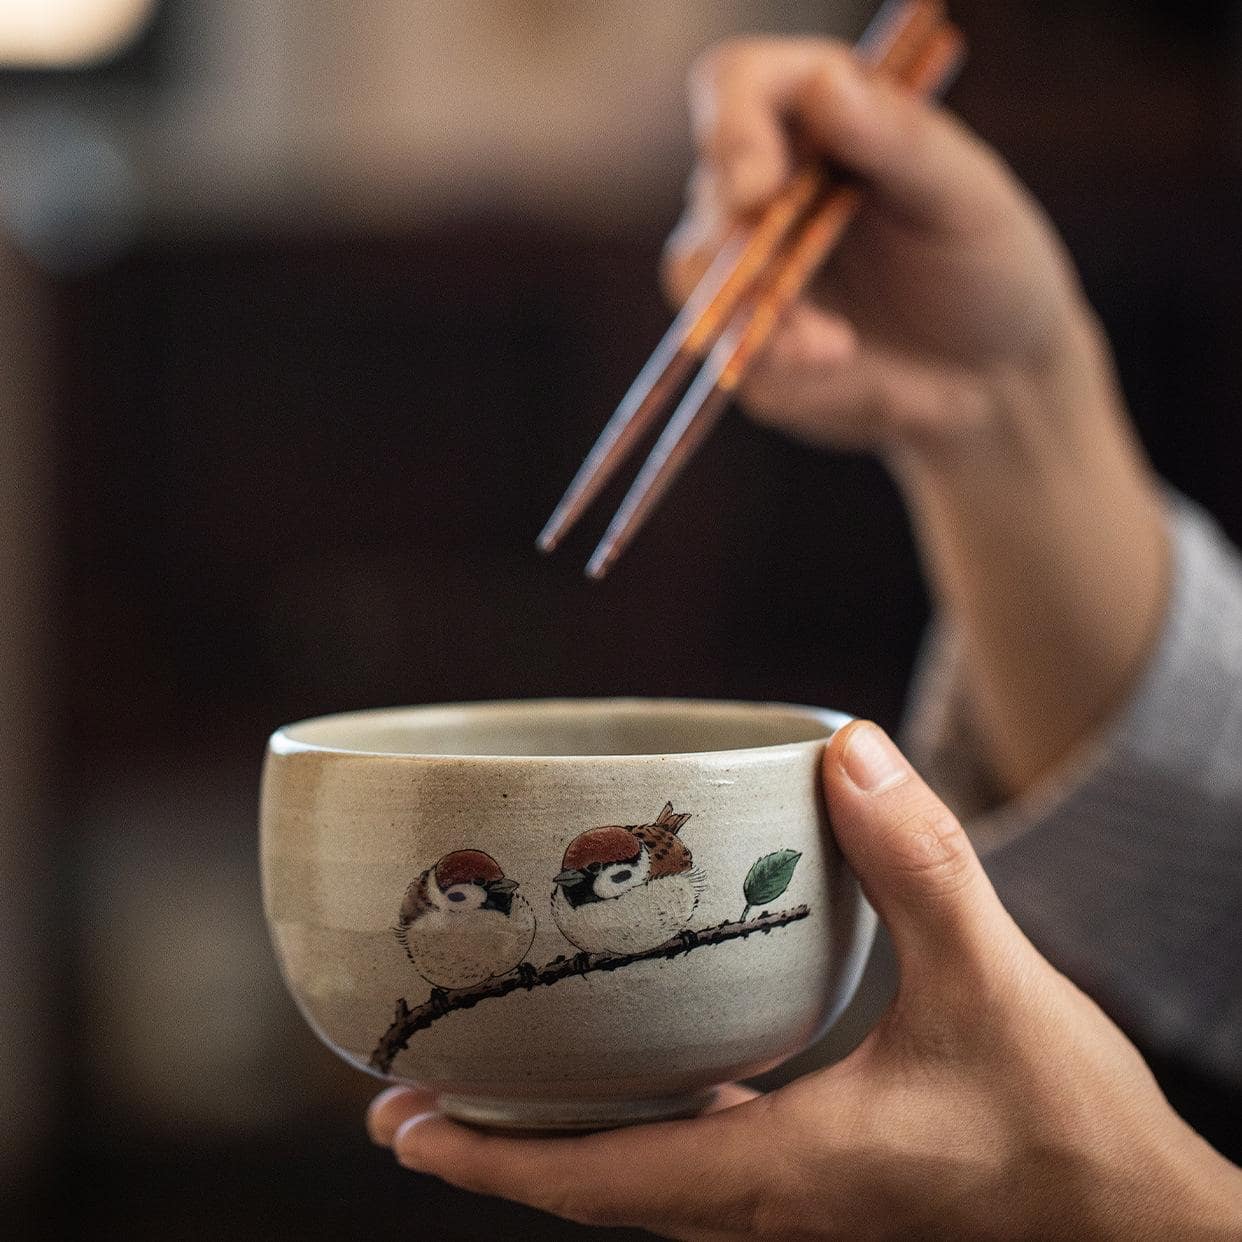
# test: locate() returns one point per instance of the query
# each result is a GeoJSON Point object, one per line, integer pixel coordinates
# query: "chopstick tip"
{"type": "Point", "coordinates": [549, 539]}
{"type": "Point", "coordinates": [598, 566]}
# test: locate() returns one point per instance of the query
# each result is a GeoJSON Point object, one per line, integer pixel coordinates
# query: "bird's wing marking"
{"type": "Point", "coordinates": [416, 902]}
{"type": "Point", "coordinates": [668, 854]}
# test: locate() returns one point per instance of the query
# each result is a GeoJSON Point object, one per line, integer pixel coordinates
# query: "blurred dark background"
{"type": "Point", "coordinates": [307, 313]}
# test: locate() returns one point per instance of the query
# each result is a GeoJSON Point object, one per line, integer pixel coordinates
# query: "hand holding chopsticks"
{"type": "Point", "coordinates": [757, 275]}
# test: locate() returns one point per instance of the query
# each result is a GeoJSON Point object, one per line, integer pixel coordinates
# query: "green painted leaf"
{"type": "Point", "coordinates": [770, 877]}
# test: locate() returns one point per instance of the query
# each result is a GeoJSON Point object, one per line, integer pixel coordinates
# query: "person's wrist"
{"type": "Point", "coordinates": [1053, 447]}
{"type": "Point", "coordinates": [1022, 420]}
{"type": "Point", "coordinates": [1165, 1183]}
{"type": "Point", "coordinates": [1045, 538]}
{"type": "Point", "coordinates": [1220, 1213]}
{"type": "Point", "coordinates": [1202, 1199]}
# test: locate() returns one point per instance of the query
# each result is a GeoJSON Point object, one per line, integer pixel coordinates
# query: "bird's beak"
{"type": "Point", "coordinates": [569, 877]}
{"type": "Point", "coordinates": [501, 886]}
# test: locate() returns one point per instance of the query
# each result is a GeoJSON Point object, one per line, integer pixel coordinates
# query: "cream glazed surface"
{"type": "Point", "coordinates": [561, 914]}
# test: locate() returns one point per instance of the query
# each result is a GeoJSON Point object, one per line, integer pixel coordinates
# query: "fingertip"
{"type": "Point", "coordinates": [686, 257]}
{"type": "Point", "coordinates": [859, 768]}
{"type": "Point", "coordinates": [525, 1169]}
{"type": "Point", "coordinates": [392, 1107]}
{"type": "Point", "coordinates": [837, 745]}
{"type": "Point", "coordinates": [870, 760]}
{"type": "Point", "coordinates": [422, 1141]}
{"type": "Point", "coordinates": [697, 237]}
{"type": "Point", "coordinates": [909, 851]}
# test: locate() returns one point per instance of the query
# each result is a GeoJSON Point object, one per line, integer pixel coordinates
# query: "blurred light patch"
{"type": "Point", "coordinates": [66, 34]}
{"type": "Point", "coordinates": [68, 193]}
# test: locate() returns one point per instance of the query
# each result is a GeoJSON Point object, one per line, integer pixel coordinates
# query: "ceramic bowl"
{"type": "Point", "coordinates": [561, 914]}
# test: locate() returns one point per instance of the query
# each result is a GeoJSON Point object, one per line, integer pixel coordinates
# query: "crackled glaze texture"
{"type": "Point", "coordinates": [561, 914]}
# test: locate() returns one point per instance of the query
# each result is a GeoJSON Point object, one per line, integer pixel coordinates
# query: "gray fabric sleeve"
{"type": "Point", "coordinates": [1125, 866]}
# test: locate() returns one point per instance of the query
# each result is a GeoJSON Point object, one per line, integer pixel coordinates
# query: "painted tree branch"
{"type": "Point", "coordinates": [406, 1021]}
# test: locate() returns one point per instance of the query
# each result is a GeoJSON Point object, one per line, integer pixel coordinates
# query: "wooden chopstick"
{"type": "Point", "coordinates": [753, 323]}
{"type": "Point", "coordinates": [891, 42]}
{"type": "Point", "coordinates": [707, 309]}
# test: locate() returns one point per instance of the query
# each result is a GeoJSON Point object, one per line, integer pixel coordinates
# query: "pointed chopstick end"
{"type": "Point", "coordinates": [599, 564]}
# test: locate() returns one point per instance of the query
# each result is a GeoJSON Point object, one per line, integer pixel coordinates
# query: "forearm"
{"type": "Point", "coordinates": [1044, 537]}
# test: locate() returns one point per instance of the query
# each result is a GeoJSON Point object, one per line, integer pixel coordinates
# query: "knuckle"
{"type": "Point", "coordinates": [837, 58]}
{"type": "Point", "coordinates": [908, 120]}
{"type": "Point", "coordinates": [682, 265]}
{"type": "Point", "coordinates": [673, 278]}
{"type": "Point", "coordinates": [835, 65]}
{"type": "Point", "coordinates": [932, 846]}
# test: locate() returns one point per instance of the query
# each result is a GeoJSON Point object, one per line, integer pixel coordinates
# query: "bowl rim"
{"type": "Point", "coordinates": [283, 742]}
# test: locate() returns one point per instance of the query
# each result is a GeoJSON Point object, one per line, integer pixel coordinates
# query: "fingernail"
{"type": "Point", "coordinates": [871, 760]}
{"type": "Point", "coordinates": [407, 1154]}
